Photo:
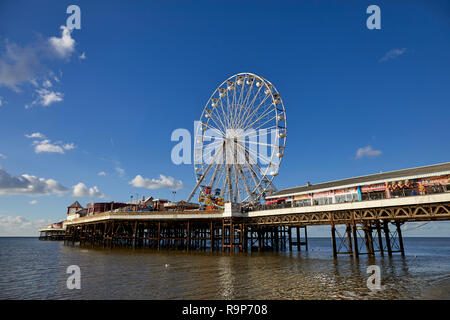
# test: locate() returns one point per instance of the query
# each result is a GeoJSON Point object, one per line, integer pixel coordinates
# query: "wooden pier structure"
{"type": "Point", "coordinates": [52, 234]}
{"type": "Point", "coordinates": [366, 227]}
{"type": "Point", "coordinates": [183, 231]}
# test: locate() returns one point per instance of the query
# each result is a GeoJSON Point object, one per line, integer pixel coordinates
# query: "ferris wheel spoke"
{"type": "Point", "coordinates": [251, 104]}
{"type": "Point", "coordinates": [255, 154]}
{"type": "Point", "coordinates": [261, 134]}
{"type": "Point", "coordinates": [230, 183]}
{"type": "Point", "coordinates": [214, 176]}
{"type": "Point", "coordinates": [255, 178]}
{"type": "Point", "coordinates": [213, 137]}
{"type": "Point", "coordinates": [244, 180]}
{"type": "Point", "coordinates": [263, 144]}
{"type": "Point", "coordinates": [207, 126]}
{"type": "Point", "coordinates": [225, 180]}
{"type": "Point", "coordinates": [229, 110]}
{"type": "Point", "coordinates": [221, 124]}
{"type": "Point", "coordinates": [249, 157]}
{"type": "Point", "coordinates": [260, 171]}
{"type": "Point", "coordinates": [239, 105]}
{"type": "Point", "coordinates": [264, 104]}
{"type": "Point", "coordinates": [255, 111]}
{"type": "Point", "coordinates": [236, 185]}
{"type": "Point", "coordinates": [263, 115]}
{"type": "Point", "coordinates": [261, 125]}
{"type": "Point", "coordinates": [218, 126]}
{"type": "Point", "coordinates": [223, 114]}
{"type": "Point", "coordinates": [235, 104]}
{"type": "Point", "coordinates": [247, 95]}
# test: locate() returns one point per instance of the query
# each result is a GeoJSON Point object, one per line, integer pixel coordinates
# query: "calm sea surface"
{"type": "Point", "coordinates": [33, 269]}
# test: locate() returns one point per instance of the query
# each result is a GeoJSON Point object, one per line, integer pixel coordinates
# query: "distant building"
{"type": "Point", "coordinates": [154, 204]}
{"type": "Point", "coordinates": [147, 202]}
{"type": "Point", "coordinates": [97, 207]}
{"type": "Point", "coordinates": [158, 204]}
{"type": "Point", "coordinates": [56, 225]}
{"type": "Point", "coordinates": [180, 206]}
{"type": "Point", "coordinates": [75, 210]}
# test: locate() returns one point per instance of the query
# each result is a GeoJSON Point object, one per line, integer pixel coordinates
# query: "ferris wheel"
{"type": "Point", "coordinates": [239, 141]}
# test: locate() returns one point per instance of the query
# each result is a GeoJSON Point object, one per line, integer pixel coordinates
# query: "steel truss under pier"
{"type": "Point", "coordinates": [365, 231]}
{"type": "Point", "coordinates": [222, 234]}
{"type": "Point", "coordinates": [354, 232]}
{"type": "Point", "coordinates": [367, 238]}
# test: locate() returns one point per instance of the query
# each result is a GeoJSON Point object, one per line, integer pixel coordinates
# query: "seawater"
{"type": "Point", "coordinates": [33, 269]}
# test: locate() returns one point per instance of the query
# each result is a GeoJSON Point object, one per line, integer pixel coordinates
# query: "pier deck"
{"type": "Point", "coordinates": [373, 225]}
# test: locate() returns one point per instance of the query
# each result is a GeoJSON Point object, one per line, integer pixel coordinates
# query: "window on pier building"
{"type": "Point", "coordinates": [349, 197]}
{"type": "Point", "coordinates": [322, 201]}
{"type": "Point", "coordinates": [302, 203]}
{"type": "Point", "coordinates": [375, 195]}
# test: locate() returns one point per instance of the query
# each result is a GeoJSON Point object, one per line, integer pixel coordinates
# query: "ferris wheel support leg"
{"type": "Point", "coordinates": [230, 187]}
{"type": "Point", "coordinates": [200, 181]}
{"type": "Point", "coordinates": [245, 181]}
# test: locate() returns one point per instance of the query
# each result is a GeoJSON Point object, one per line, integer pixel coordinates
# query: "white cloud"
{"type": "Point", "coordinates": [392, 54]}
{"type": "Point", "coordinates": [102, 173]}
{"type": "Point", "coordinates": [81, 190]}
{"type": "Point", "coordinates": [82, 56]}
{"type": "Point", "coordinates": [33, 202]}
{"type": "Point", "coordinates": [47, 97]}
{"type": "Point", "coordinates": [65, 45]}
{"type": "Point", "coordinates": [19, 65]}
{"type": "Point", "coordinates": [28, 184]}
{"type": "Point", "coordinates": [162, 182]}
{"type": "Point", "coordinates": [46, 145]}
{"type": "Point", "coordinates": [69, 146]}
{"type": "Point", "coordinates": [2, 156]}
{"type": "Point", "coordinates": [1, 101]}
{"type": "Point", "coordinates": [19, 226]}
{"type": "Point", "coordinates": [120, 171]}
{"type": "Point", "coordinates": [22, 66]}
{"type": "Point", "coordinates": [367, 151]}
{"type": "Point", "coordinates": [47, 83]}
{"type": "Point", "coordinates": [35, 135]}
{"type": "Point", "coordinates": [34, 83]}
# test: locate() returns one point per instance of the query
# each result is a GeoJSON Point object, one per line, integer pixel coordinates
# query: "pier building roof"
{"type": "Point", "coordinates": [412, 173]}
{"type": "Point", "coordinates": [76, 204]}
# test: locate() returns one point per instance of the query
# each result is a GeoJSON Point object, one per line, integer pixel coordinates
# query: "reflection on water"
{"type": "Point", "coordinates": [32, 269]}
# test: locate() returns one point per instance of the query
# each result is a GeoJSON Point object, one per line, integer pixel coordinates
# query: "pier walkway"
{"type": "Point", "coordinates": [368, 227]}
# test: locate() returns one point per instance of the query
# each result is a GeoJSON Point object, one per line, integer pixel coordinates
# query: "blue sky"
{"type": "Point", "coordinates": [138, 70]}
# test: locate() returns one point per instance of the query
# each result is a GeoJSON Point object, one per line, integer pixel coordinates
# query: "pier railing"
{"type": "Point", "coordinates": [122, 213]}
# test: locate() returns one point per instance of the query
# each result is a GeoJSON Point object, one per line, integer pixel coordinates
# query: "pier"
{"type": "Point", "coordinates": [364, 214]}
{"type": "Point", "coordinates": [369, 227]}
{"type": "Point", "coordinates": [226, 230]}
{"type": "Point", "coordinates": [52, 234]}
